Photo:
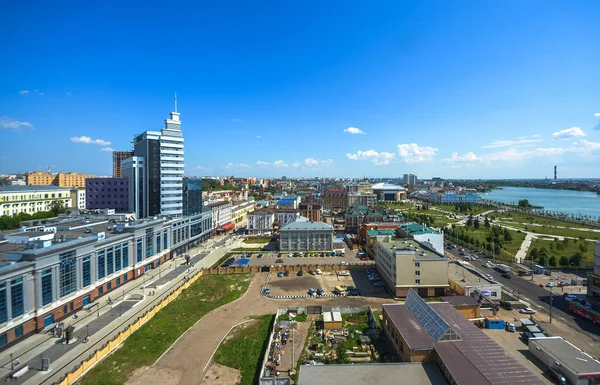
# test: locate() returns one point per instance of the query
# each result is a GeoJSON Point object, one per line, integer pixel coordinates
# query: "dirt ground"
{"type": "Point", "coordinates": [186, 362]}
{"type": "Point", "coordinates": [518, 350]}
{"type": "Point", "coordinates": [221, 375]}
{"type": "Point", "coordinates": [289, 360]}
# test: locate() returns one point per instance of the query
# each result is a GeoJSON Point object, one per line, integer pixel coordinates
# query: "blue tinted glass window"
{"type": "Point", "coordinates": [46, 287]}
{"type": "Point", "coordinates": [16, 297]}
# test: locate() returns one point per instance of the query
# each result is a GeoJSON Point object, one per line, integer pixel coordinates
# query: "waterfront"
{"type": "Point", "coordinates": [578, 203]}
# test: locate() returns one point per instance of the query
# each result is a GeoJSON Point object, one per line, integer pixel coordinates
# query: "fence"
{"type": "Point", "coordinates": [290, 268]}
{"type": "Point", "coordinates": [113, 344]}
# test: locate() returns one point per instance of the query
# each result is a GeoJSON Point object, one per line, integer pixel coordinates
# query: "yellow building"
{"type": "Point", "coordinates": [32, 199]}
{"type": "Point", "coordinates": [61, 179]}
{"type": "Point", "coordinates": [239, 212]}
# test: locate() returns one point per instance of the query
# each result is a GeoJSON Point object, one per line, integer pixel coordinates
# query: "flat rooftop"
{"type": "Point", "coordinates": [411, 330]}
{"type": "Point", "coordinates": [425, 373]}
{"type": "Point", "coordinates": [460, 300]}
{"type": "Point", "coordinates": [457, 273]}
{"type": "Point", "coordinates": [417, 229]}
{"type": "Point", "coordinates": [569, 355]}
{"type": "Point", "coordinates": [410, 247]}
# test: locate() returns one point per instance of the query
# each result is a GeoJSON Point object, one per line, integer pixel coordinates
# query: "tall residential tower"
{"type": "Point", "coordinates": [159, 189]}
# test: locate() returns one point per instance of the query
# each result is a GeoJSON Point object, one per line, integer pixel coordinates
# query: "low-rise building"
{"type": "Point", "coordinates": [362, 199]}
{"type": "Point", "coordinates": [61, 179]}
{"type": "Point", "coordinates": [358, 215]}
{"type": "Point", "coordinates": [240, 211]}
{"type": "Point", "coordinates": [335, 198]}
{"type": "Point", "coordinates": [451, 198]}
{"type": "Point", "coordinates": [260, 221]}
{"type": "Point", "coordinates": [578, 367]}
{"type": "Point", "coordinates": [387, 192]}
{"type": "Point", "coordinates": [107, 193]}
{"type": "Point", "coordinates": [284, 217]}
{"type": "Point", "coordinates": [303, 235]}
{"type": "Point", "coordinates": [32, 199]}
{"type": "Point", "coordinates": [467, 281]}
{"type": "Point", "coordinates": [311, 209]}
{"type": "Point", "coordinates": [420, 331]}
{"type": "Point", "coordinates": [406, 264]}
{"type": "Point", "coordinates": [593, 289]}
{"type": "Point", "coordinates": [221, 216]}
{"type": "Point", "coordinates": [424, 234]}
{"type": "Point", "coordinates": [78, 198]}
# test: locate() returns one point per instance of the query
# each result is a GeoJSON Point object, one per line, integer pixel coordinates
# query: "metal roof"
{"type": "Point", "coordinates": [437, 327]}
{"type": "Point", "coordinates": [411, 331]}
{"type": "Point", "coordinates": [567, 354]}
{"type": "Point", "coordinates": [303, 225]}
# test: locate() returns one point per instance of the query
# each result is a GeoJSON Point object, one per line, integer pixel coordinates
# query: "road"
{"type": "Point", "coordinates": [539, 298]}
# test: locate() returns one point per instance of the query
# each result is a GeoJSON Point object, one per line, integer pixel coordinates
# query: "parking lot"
{"type": "Point", "coordinates": [328, 280]}
{"type": "Point", "coordinates": [265, 258]}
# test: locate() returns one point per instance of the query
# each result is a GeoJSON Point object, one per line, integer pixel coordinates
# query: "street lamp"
{"type": "Point", "coordinates": [551, 304]}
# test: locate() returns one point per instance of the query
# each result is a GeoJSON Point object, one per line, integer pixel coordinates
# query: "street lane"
{"type": "Point", "coordinates": [538, 297]}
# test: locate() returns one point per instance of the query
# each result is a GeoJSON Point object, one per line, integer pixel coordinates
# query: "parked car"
{"type": "Point", "coordinates": [527, 310]}
{"type": "Point", "coordinates": [300, 273]}
{"type": "Point", "coordinates": [486, 264]}
{"type": "Point", "coordinates": [506, 305]}
{"type": "Point", "coordinates": [365, 259]}
{"type": "Point", "coordinates": [279, 260]}
{"type": "Point", "coordinates": [280, 274]}
{"type": "Point", "coordinates": [259, 256]}
{"type": "Point", "coordinates": [318, 271]}
{"type": "Point", "coordinates": [267, 290]}
{"type": "Point", "coordinates": [510, 327]}
{"type": "Point", "coordinates": [506, 275]}
{"type": "Point", "coordinates": [286, 274]}
{"type": "Point", "coordinates": [354, 292]}
{"type": "Point", "coordinates": [343, 263]}
{"type": "Point", "coordinates": [320, 291]}
{"type": "Point", "coordinates": [563, 283]}
{"type": "Point", "coordinates": [312, 292]}
{"type": "Point", "coordinates": [556, 376]}
{"type": "Point", "coordinates": [550, 284]}
{"type": "Point", "coordinates": [312, 272]}
{"type": "Point", "coordinates": [570, 298]}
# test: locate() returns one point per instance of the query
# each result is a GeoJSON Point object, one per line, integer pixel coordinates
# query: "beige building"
{"type": "Point", "coordinates": [362, 199]}
{"type": "Point", "coordinates": [32, 199]}
{"type": "Point", "coordinates": [239, 212]}
{"type": "Point", "coordinates": [303, 235]}
{"type": "Point", "coordinates": [61, 179]}
{"type": "Point", "coordinates": [78, 198]}
{"type": "Point", "coordinates": [406, 263]}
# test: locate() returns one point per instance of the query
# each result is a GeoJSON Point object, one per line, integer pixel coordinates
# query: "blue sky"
{"type": "Point", "coordinates": [456, 89]}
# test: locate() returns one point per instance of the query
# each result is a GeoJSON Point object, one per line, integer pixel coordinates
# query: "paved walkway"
{"type": "Point", "coordinates": [106, 320]}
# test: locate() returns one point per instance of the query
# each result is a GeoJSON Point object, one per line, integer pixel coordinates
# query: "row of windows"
{"type": "Point", "coordinates": [16, 300]}
{"type": "Point", "coordinates": [108, 183]}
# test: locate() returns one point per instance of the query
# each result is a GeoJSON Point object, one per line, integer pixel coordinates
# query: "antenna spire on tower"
{"type": "Point", "coordinates": [175, 101]}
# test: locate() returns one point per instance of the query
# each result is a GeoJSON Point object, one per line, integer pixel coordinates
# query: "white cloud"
{"type": "Point", "coordinates": [257, 136]}
{"type": "Point", "coordinates": [354, 131]}
{"type": "Point", "coordinates": [377, 158]}
{"type": "Point", "coordinates": [413, 153]}
{"type": "Point", "coordinates": [88, 140]}
{"type": "Point", "coordinates": [280, 163]}
{"type": "Point", "coordinates": [237, 165]}
{"type": "Point", "coordinates": [597, 114]}
{"type": "Point", "coordinates": [313, 164]}
{"type": "Point", "coordinates": [7, 123]}
{"type": "Point", "coordinates": [237, 120]}
{"type": "Point", "coordinates": [468, 157]}
{"type": "Point", "coordinates": [522, 140]}
{"type": "Point", "coordinates": [567, 133]}
{"type": "Point", "coordinates": [586, 147]}
{"type": "Point", "coordinates": [23, 92]}
{"type": "Point", "coordinates": [201, 168]}
{"type": "Point", "coordinates": [107, 149]}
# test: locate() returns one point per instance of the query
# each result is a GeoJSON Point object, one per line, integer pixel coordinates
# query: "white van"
{"type": "Point", "coordinates": [318, 271]}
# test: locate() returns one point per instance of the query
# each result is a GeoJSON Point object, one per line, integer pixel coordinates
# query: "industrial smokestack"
{"type": "Point", "coordinates": [554, 172]}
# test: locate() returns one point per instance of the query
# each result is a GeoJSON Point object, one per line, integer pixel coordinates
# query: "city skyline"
{"type": "Point", "coordinates": [379, 91]}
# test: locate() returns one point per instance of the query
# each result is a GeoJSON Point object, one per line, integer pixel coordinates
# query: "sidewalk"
{"type": "Point", "coordinates": [101, 324]}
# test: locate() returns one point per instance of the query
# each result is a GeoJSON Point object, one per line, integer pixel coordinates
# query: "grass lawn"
{"type": "Point", "coordinates": [144, 346]}
{"type": "Point", "coordinates": [257, 240]}
{"type": "Point", "coordinates": [510, 248]}
{"type": "Point", "coordinates": [244, 348]}
{"type": "Point", "coordinates": [568, 249]}
{"type": "Point", "coordinates": [527, 218]}
{"type": "Point", "coordinates": [555, 231]}
{"type": "Point", "coordinates": [475, 209]}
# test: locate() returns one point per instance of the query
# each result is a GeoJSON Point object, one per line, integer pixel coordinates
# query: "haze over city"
{"type": "Point", "coordinates": [307, 89]}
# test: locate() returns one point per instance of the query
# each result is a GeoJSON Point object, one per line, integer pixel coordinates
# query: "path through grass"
{"type": "Point", "coordinates": [244, 348]}
{"type": "Point", "coordinates": [144, 346]}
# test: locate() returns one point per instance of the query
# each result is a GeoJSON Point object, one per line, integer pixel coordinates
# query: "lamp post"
{"type": "Point", "coordinates": [551, 304]}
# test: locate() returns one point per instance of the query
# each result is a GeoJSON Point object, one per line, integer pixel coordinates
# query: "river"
{"type": "Point", "coordinates": [564, 201]}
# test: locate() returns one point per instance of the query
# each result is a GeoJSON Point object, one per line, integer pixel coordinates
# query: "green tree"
{"type": "Point", "coordinates": [486, 224]}
{"type": "Point", "coordinates": [507, 235]}
{"type": "Point", "coordinates": [576, 259]}
{"type": "Point", "coordinates": [57, 207]}
{"type": "Point", "coordinates": [534, 253]}
{"type": "Point", "coordinates": [476, 223]}
{"type": "Point", "coordinates": [470, 221]}
{"type": "Point", "coordinates": [543, 252]}
{"type": "Point", "coordinates": [582, 247]}
{"type": "Point", "coordinates": [552, 261]}
{"type": "Point", "coordinates": [543, 260]}
{"type": "Point", "coordinates": [524, 203]}
{"type": "Point", "coordinates": [563, 261]}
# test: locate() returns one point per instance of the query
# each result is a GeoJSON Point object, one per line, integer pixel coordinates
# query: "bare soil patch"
{"type": "Point", "coordinates": [221, 375]}
{"type": "Point", "coordinates": [155, 376]}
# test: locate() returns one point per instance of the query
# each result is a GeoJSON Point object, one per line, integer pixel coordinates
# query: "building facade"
{"type": "Point", "coordinates": [405, 264]}
{"type": "Point", "coordinates": [162, 152]}
{"type": "Point", "coordinates": [61, 179]}
{"type": "Point", "coordinates": [107, 193]}
{"type": "Point", "coordinates": [410, 179]}
{"type": "Point", "coordinates": [240, 211]}
{"type": "Point", "coordinates": [222, 215]}
{"type": "Point", "coordinates": [362, 199]}
{"type": "Point", "coordinates": [285, 216]}
{"type": "Point", "coordinates": [192, 196]}
{"type": "Point", "coordinates": [45, 280]}
{"type": "Point", "coordinates": [335, 198]}
{"type": "Point", "coordinates": [134, 171]}
{"type": "Point", "coordinates": [387, 192]}
{"type": "Point", "coordinates": [425, 235]}
{"type": "Point", "coordinates": [359, 215]}
{"type": "Point", "coordinates": [260, 221]}
{"type": "Point", "coordinates": [118, 158]}
{"type": "Point", "coordinates": [78, 198]}
{"type": "Point", "coordinates": [593, 289]}
{"type": "Point", "coordinates": [311, 209]}
{"type": "Point", "coordinates": [32, 199]}
{"type": "Point", "coordinates": [452, 198]}
{"type": "Point", "coordinates": [303, 235]}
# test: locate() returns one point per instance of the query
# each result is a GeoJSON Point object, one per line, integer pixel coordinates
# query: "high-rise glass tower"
{"type": "Point", "coordinates": [161, 153]}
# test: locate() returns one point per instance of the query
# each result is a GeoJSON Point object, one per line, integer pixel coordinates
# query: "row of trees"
{"type": "Point", "coordinates": [13, 222]}
{"type": "Point", "coordinates": [495, 238]}
{"type": "Point", "coordinates": [419, 218]}
{"type": "Point", "coordinates": [545, 259]}
{"type": "Point", "coordinates": [476, 223]}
